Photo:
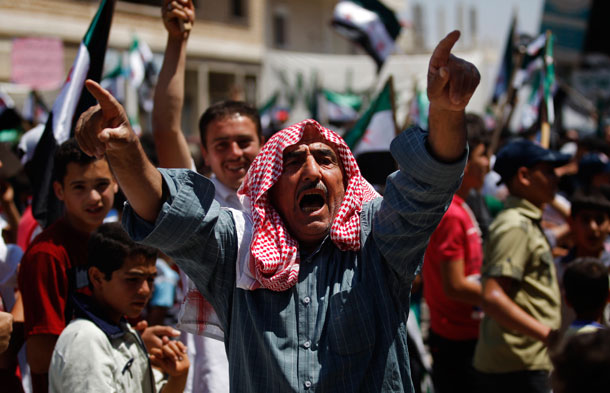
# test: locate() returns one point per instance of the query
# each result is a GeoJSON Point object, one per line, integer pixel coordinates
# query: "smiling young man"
{"type": "Point", "coordinates": [230, 136]}
{"type": "Point", "coordinates": [325, 307]}
{"type": "Point", "coordinates": [52, 267]}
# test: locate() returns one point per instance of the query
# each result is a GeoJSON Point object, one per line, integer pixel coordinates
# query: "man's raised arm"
{"type": "Point", "coordinates": [171, 145]}
{"type": "Point", "coordinates": [105, 130]}
{"type": "Point", "coordinates": [451, 83]}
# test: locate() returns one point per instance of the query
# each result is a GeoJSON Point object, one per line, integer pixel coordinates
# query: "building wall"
{"type": "Point", "coordinates": [307, 27]}
{"type": "Point", "coordinates": [225, 48]}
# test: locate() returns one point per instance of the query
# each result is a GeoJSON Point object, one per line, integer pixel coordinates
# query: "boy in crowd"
{"type": "Point", "coordinates": [99, 350]}
{"type": "Point", "coordinates": [585, 283]}
{"type": "Point", "coordinates": [590, 226]}
{"type": "Point", "coordinates": [451, 271]}
{"type": "Point", "coordinates": [53, 265]}
{"type": "Point", "coordinates": [521, 297]}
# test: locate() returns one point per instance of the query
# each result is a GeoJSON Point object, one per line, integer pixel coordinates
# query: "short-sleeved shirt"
{"type": "Point", "coordinates": [518, 249]}
{"type": "Point", "coordinates": [457, 237]}
{"type": "Point", "coordinates": [45, 273]}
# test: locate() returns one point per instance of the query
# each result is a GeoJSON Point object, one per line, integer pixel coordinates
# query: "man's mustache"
{"type": "Point", "coordinates": [313, 185]}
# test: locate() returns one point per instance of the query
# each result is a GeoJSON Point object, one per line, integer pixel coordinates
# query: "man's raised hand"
{"type": "Point", "coordinates": [103, 128]}
{"type": "Point", "coordinates": [178, 17]}
{"type": "Point", "coordinates": [451, 80]}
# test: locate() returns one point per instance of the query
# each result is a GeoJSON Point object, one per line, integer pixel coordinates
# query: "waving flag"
{"type": "Point", "coordinates": [377, 127]}
{"type": "Point", "coordinates": [73, 100]}
{"type": "Point", "coordinates": [369, 24]}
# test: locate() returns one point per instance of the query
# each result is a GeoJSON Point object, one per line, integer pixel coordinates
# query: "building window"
{"type": "Point", "coordinates": [157, 3]}
{"type": "Point", "coordinates": [419, 27]}
{"type": "Point", "coordinates": [473, 23]}
{"type": "Point", "coordinates": [238, 9]}
{"type": "Point", "coordinates": [279, 29]}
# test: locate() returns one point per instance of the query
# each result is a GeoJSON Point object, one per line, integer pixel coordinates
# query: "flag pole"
{"type": "Point", "coordinates": [393, 104]}
{"type": "Point", "coordinates": [511, 96]}
{"type": "Point", "coordinates": [545, 126]}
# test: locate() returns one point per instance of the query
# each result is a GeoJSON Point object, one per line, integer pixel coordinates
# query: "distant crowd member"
{"type": "Point", "coordinates": [451, 273]}
{"type": "Point", "coordinates": [521, 295]}
{"type": "Point", "coordinates": [585, 283]}
{"type": "Point", "coordinates": [581, 364]}
{"type": "Point", "coordinates": [54, 264]}
{"type": "Point", "coordinates": [230, 136]}
{"type": "Point", "coordinates": [589, 226]}
{"type": "Point", "coordinates": [99, 350]}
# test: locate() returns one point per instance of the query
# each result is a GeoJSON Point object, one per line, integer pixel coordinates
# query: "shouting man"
{"type": "Point", "coordinates": [311, 283]}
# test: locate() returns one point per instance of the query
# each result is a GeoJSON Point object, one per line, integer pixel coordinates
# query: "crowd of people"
{"type": "Point", "coordinates": [282, 269]}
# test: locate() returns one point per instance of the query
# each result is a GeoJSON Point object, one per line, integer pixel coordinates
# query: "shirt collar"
{"type": "Point", "coordinates": [85, 307]}
{"type": "Point", "coordinates": [221, 190]}
{"type": "Point", "coordinates": [525, 207]}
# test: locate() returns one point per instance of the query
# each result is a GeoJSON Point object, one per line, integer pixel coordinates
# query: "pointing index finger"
{"type": "Point", "coordinates": [107, 102]}
{"type": "Point", "coordinates": [441, 53]}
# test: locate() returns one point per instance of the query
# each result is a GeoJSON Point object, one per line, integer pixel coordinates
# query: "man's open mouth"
{"type": "Point", "coordinates": [312, 200]}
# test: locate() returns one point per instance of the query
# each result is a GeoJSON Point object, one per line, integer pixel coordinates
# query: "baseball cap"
{"type": "Point", "coordinates": [523, 152]}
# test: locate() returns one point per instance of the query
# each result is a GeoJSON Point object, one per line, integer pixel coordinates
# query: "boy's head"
{"type": "Point", "coordinates": [590, 222]}
{"type": "Point", "coordinates": [231, 137]}
{"type": "Point", "coordinates": [529, 170]}
{"type": "Point", "coordinates": [84, 184]}
{"type": "Point", "coordinates": [582, 363]}
{"type": "Point", "coordinates": [585, 282]}
{"type": "Point", "coordinates": [478, 160]}
{"type": "Point", "coordinates": [121, 271]}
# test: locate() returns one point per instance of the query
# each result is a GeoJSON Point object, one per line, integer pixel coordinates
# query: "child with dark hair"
{"type": "Point", "coordinates": [99, 350]}
{"type": "Point", "coordinates": [585, 283]}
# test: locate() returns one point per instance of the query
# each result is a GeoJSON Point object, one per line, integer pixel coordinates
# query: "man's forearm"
{"type": "Point", "coordinates": [447, 134]}
{"type": "Point", "coordinates": [172, 149]}
{"type": "Point", "coordinates": [507, 313]}
{"type": "Point", "coordinates": [140, 181]}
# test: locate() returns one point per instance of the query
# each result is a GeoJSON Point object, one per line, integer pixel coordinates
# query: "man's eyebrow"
{"type": "Point", "coordinates": [138, 274]}
{"type": "Point", "coordinates": [293, 154]}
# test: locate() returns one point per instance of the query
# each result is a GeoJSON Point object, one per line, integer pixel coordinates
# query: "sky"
{"type": "Point", "coordinates": [493, 18]}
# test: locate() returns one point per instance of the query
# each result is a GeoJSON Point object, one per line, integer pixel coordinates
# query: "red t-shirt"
{"type": "Point", "coordinates": [43, 276]}
{"type": "Point", "coordinates": [457, 237]}
{"type": "Point", "coordinates": [27, 226]}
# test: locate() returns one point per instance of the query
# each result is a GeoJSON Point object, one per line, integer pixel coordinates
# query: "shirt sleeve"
{"type": "Point", "coordinates": [196, 232]}
{"type": "Point", "coordinates": [416, 197]}
{"type": "Point", "coordinates": [83, 362]}
{"type": "Point", "coordinates": [43, 282]}
{"type": "Point", "coordinates": [507, 254]}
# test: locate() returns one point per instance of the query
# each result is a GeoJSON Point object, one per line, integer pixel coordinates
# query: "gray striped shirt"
{"type": "Point", "coordinates": [342, 328]}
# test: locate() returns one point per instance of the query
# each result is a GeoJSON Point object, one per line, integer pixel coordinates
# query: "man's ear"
{"type": "Point", "coordinates": [96, 276]}
{"type": "Point", "coordinates": [204, 153]}
{"type": "Point", "coordinates": [59, 190]}
{"type": "Point", "coordinates": [523, 176]}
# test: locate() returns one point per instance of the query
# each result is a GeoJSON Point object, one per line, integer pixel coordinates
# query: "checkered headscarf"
{"type": "Point", "coordinates": [274, 261]}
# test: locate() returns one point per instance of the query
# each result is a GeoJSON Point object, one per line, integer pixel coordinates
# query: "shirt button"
{"type": "Point", "coordinates": [307, 344]}
{"type": "Point", "coordinates": [306, 299]}
{"type": "Point", "coordinates": [307, 384]}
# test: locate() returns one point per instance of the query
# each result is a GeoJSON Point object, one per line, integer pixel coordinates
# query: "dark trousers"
{"type": "Point", "coordinates": [452, 370]}
{"type": "Point", "coordinates": [527, 381]}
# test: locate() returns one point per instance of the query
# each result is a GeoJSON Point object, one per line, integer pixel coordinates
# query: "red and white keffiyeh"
{"type": "Point", "coordinates": [274, 260]}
